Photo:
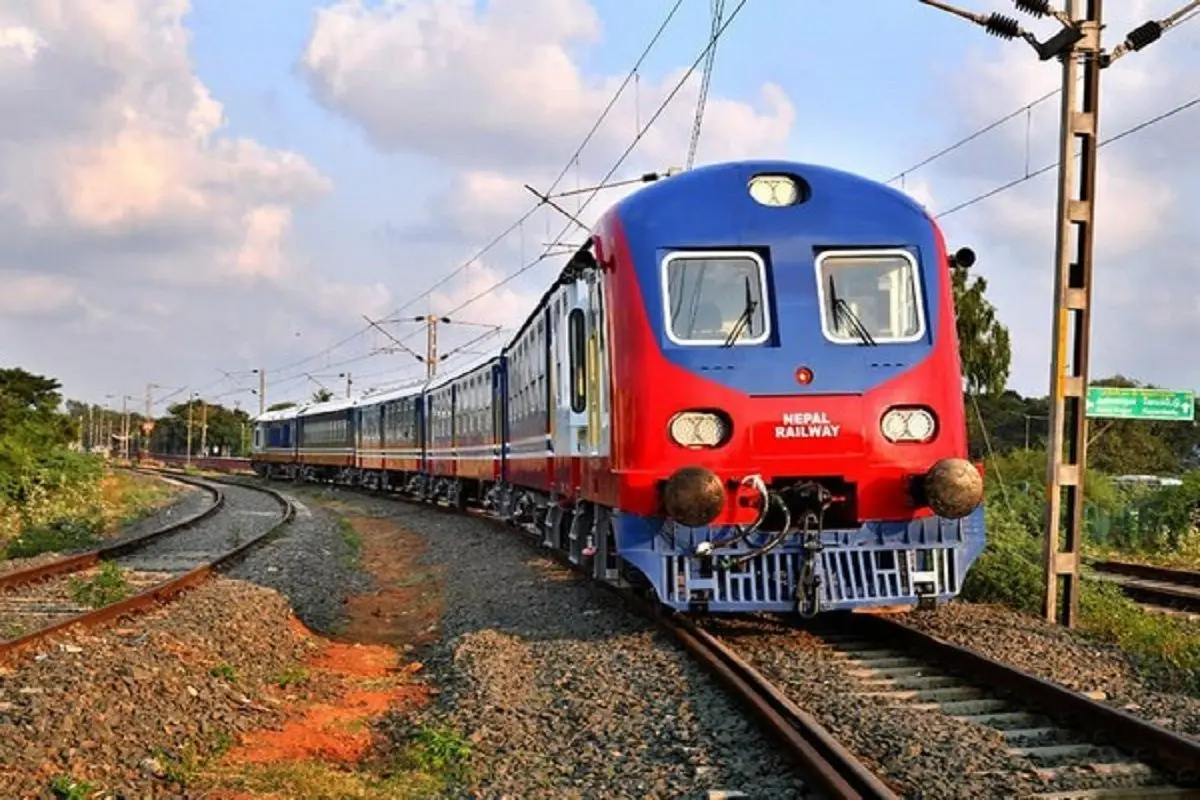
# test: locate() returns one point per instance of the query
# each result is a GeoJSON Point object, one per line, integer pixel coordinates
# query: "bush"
{"type": "Point", "coordinates": [1009, 573]}
{"type": "Point", "coordinates": [53, 502]}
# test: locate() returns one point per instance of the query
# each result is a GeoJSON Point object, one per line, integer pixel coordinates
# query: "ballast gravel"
{"type": "Point", "coordinates": [564, 694]}
{"type": "Point", "coordinates": [1066, 657]}
{"type": "Point", "coordinates": [115, 706]}
{"type": "Point", "coordinates": [310, 563]}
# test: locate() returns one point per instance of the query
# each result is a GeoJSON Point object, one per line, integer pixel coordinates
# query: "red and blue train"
{"type": "Point", "coordinates": [743, 393]}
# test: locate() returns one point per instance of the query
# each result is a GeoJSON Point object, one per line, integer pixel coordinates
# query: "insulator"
{"type": "Point", "coordinates": [1036, 8]}
{"type": "Point", "coordinates": [1002, 26]}
{"type": "Point", "coordinates": [1145, 34]}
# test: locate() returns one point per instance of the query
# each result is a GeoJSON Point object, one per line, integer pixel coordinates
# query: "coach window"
{"type": "Point", "coordinates": [870, 297]}
{"type": "Point", "coordinates": [578, 344]}
{"type": "Point", "coordinates": [715, 298]}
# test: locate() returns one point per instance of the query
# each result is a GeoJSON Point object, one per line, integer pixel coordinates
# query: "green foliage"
{"type": "Point", "coordinates": [440, 752]}
{"type": "Point", "coordinates": [983, 342]}
{"type": "Point", "coordinates": [108, 586]}
{"type": "Point", "coordinates": [228, 429]}
{"type": "Point", "coordinates": [66, 788]}
{"type": "Point", "coordinates": [322, 395]}
{"type": "Point", "coordinates": [1010, 573]}
{"type": "Point", "coordinates": [280, 406]}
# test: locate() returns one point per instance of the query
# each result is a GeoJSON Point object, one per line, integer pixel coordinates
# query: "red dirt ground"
{"type": "Point", "coordinates": [365, 660]}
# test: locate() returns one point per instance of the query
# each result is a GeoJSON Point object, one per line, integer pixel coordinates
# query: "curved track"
{"type": "Point", "coordinates": [43, 600]}
{"type": "Point", "coordinates": [1159, 586]}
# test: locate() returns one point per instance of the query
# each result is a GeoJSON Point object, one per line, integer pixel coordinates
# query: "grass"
{"type": "Point", "coordinates": [1166, 649]}
{"type": "Point", "coordinates": [67, 788]}
{"type": "Point", "coordinates": [79, 513]}
{"type": "Point", "coordinates": [428, 763]}
{"type": "Point", "coordinates": [225, 671]}
{"type": "Point", "coordinates": [353, 541]}
{"type": "Point", "coordinates": [290, 676]}
{"type": "Point", "coordinates": [104, 588]}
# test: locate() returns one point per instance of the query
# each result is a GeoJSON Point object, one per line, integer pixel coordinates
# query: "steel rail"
{"type": "Point", "coordinates": [82, 561]}
{"type": "Point", "coordinates": [162, 592]}
{"type": "Point", "coordinates": [1145, 583]}
{"type": "Point", "coordinates": [1148, 742]}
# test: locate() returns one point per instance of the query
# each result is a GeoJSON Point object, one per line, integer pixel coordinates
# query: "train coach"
{"type": "Point", "coordinates": [743, 393]}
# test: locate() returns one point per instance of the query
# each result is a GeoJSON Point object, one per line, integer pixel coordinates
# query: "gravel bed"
{"type": "Point", "coordinates": [1060, 655]}
{"type": "Point", "coordinates": [310, 563]}
{"type": "Point", "coordinates": [563, 693]}
{"type": "Point", "coordinates": [191, 501]}
{"type": "Point", "coordinates": [247, 513]}
{"type": "Point", "coordinates": [116, 706]}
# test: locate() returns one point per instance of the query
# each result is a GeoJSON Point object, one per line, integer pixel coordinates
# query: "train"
{"type": "Point", "coordinates": [742, 393]}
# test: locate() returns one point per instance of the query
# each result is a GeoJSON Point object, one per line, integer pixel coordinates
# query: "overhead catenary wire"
{"type": "Point", "coordinates": [617, 165]}
{"type": "Point", "coordinates": [495, 241]}
{"type": "Point", "coordinates": [1176, 20]}
{"type": "Point", "coordinates": [573, 159]}
{"type": "Point", "coordinates": [1141, 126]}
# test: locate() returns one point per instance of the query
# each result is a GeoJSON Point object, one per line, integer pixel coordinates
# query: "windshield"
{"type": "Point", "coordinates": [715, 299]}
{"type": "Point", "coordinates": [875, 293]}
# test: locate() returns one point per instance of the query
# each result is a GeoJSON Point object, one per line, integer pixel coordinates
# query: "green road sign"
{"type": "Point", "coordinates": [1151, 404]}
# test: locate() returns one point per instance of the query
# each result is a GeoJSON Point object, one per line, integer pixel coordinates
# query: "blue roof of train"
{"type": "Point", "coordinates": [711, 207]}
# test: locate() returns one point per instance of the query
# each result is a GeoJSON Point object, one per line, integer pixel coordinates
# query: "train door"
{"type": "Point", "coordinates": [499, 433]}
{"type": "Point", "coordinates": [598, 427]}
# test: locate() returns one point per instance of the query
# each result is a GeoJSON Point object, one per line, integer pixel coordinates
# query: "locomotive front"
{"type": "Point", "coordinates": [789, 430]}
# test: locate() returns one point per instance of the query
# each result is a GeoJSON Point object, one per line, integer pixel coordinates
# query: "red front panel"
{"type": "Point", "coordinates": [776, 437]}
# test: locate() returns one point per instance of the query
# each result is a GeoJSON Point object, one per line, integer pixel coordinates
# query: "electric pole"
{"type": "Point", "coordinates": [261, 372]}
{"type": "Point", "coordinates": [349, 383]}
{"type": "Point", "coordinates": [188, 457]}
{"type": "Point", "coordinates": [125, 426]}
{"type": "Point", "coordinates": [1078, 46]}
{"type": "Point", "coordinates": [203, 428]}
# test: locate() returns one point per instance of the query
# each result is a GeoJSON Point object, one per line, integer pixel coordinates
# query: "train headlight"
{"type": "Point", "coordinates": [698, 429]}
{"type": "Point", "coordinates": [908, 425]}
{"type": "Point", "coordinates": [774, 190]}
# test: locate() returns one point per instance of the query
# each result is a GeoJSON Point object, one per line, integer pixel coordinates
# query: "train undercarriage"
{"type": "Point", "coordinates": [883, 567]}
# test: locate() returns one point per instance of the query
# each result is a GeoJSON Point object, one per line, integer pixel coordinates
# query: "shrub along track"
{"type": "Point", "coordinates": [1156, 586]}
{"type": "Point", "coordinates": [156, 566]}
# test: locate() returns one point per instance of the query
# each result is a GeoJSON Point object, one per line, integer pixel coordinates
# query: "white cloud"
{"type": "Point", "coordinates": [496, 93]}
{"type": "Point", "coordinates": [137, 229]}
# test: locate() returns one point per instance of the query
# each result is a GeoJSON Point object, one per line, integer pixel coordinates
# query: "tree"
{"type": "Point", "coordinates": [280, 406]}
{"type": "Point", "coordinates": [983, 341]}
{"type": "Point", "coordinates": [322, 395]}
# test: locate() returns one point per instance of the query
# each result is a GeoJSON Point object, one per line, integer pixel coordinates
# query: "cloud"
{"type": "Point", "coordinates": [497, 96]}
{"type": "Point", "coordinates": [1147, 286]}
{"type": "Point", "coordinates": [476, 85]}
{"type": "Point", "coordinates": [136, 227]}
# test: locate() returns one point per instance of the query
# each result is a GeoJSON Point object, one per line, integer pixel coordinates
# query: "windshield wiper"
{"type": "Point", "coordinates": [743, 320]}
{"type": "Point", "coordinates": [856, 324]}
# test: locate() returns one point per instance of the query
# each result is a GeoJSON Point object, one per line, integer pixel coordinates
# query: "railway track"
{"type": "Point", "coordinates": [1057, 736]}
{"type": "Point", "coordinates": [137, 573]}
{"type": "Point", "coordinates": [1062, 737]}
{"type": "Point", "coordinates": [1158, 586]}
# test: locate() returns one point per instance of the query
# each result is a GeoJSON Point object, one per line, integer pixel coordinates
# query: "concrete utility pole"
{"type": "Point", "coordinates": [188, 458]}
{"type": "Point", "coordinates": [1077, 45]}
{"type": "Point", "coordinates": [125, 427]}
{"type": "Point", "coordinates": [203, 428]}
{"type": "Point", "coordinates": [349, 383]}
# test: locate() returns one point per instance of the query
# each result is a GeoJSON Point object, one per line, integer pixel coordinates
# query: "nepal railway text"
{"type": "Point", "coordinates": [743, 393]}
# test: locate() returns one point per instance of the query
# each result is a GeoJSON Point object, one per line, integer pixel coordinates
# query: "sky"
{"type": "Point", "coordinates": [190, 191]}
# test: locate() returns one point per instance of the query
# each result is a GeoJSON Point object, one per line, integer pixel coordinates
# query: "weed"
{"type": "Point", "coordinates": [439, 751]}
{"type": "Point", "coordinates": [1009, 573]}
{"type": "Point", "coordinates": [108, 586]}
{"type": "Point", "coordinates": [66, 788]}
{"type": "Point", "coordinates": [181, 768]}
{"type": "Point", "coordinates": [290, 676]}
{"type": "Point", "coordinates": [353, 541]}
{"type": "Point", "coordinates": [225, 671]}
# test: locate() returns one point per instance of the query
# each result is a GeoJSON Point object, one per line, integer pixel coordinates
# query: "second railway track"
{"type": "Point", "coordinates": [1158, 586]}
{"type": "Point", "coordinates": [42, 600]}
